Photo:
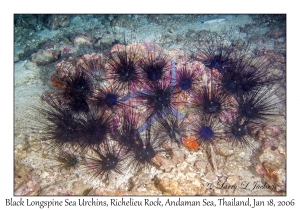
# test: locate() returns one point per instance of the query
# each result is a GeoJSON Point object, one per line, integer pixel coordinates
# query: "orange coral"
{"type": "Point", "coordinates": [191, 143]}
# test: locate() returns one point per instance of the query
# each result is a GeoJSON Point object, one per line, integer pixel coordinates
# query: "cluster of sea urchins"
{"type": "Point", "coordinates": [116, 110]}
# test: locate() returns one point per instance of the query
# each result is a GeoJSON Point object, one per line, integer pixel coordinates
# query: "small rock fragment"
{"type": "Point", "coordinates": [210, 177]}
{"type": "Point", "coordinates": [43, 57]}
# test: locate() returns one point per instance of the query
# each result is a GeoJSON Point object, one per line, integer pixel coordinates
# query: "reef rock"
{"type": "Point", "coordinates": [43, 57]}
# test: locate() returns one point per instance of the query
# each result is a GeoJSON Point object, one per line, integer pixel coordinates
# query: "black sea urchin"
{"type": "Point", "coordinates": [106, 160]}
{"type": "Point", "coordinates": [127, 134]}
{"type": "Point", "coordinates": [171, 127]}
{"type": "Point", "coordinates": [155, 63]}
{"type": "Point", "coordinates": [158, 97]}
{"type": "Point", "coordinates": [210, 101]}
{"type": "Point", "coordinates": [95, 127]}
{"type": "Point", "coordinates": [237, 132]}
{"type": "Point", "coordinates": [246, 75]}
{"type": "Point", "coordinates": [186, 80]}
{"type": "Point", "coordinates": [67, 159]}
{"type": "Point", "coordinates": [107, 98]}
{"type": "Point", "coordinates": [61, 124]}
{"type": "Point", "coordinates": [259, 105]}
{"type": "Point", "coordinates": [144, 151]}
{"type": "Point", "coordinates": [122, 67]}
{"type": "Point", "coordinates": [77, 91]}
{"type": "Point", "coordinates": [214, 53]}
{"type": "Point", "coordinates": [207, 130]}
{"type": "Point", "coordinates": [95, 64]}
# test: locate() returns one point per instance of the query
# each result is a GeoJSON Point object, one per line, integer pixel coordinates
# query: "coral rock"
{"type": "Point", "coordinates": [272, 167]}
{"type": "Point", "coordinates": [80, 39]}
{"type": "Point", "coordinates": [43, 57]}
{"type": "Point", "coordinates": [67, 188]}
{"type": "Point", "coordinates": [210, 177]}
{"type": "Point", "coordinates": [56, 21]}
{"type": "Point", "coordinates": [25, 182]}
{"type": "Point", "coordinates": [180, 185]}
{"type": "Point", "coordinates": [272, 130]}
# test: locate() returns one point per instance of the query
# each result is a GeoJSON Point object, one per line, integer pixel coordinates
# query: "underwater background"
{"type": "Point", "coordinates": [43, 42]}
